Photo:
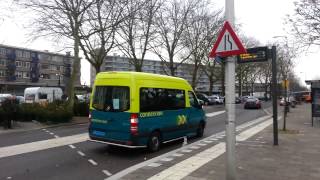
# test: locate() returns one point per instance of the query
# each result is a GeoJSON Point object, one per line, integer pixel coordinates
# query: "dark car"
{"type": "Point", "coordinates": [205, 99]}
{"type": "Point", "coordinates": [237, 100]}
{"type": "Point", "coordinates": [252, 103]}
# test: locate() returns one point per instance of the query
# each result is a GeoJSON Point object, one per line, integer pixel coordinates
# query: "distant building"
{"type": "Point", "coordinates": [119, 63]}
{"type": "Point", "coordinates": [21, 68]}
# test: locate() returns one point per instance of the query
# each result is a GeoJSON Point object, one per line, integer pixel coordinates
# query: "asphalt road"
{"type": "Point", "coordinates": [88, 160]}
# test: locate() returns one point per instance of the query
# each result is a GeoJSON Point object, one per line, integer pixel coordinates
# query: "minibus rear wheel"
{"type": "Point", "coordinates": [154, 141]}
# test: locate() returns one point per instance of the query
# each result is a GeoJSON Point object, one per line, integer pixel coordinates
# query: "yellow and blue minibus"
{"type": "Point", "coordinates": [134, 110]}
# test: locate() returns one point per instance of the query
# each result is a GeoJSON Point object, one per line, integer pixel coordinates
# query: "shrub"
{"type": "Point", "coordinates": [55, 112]}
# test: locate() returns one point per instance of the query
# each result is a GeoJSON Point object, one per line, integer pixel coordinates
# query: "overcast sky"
{"type": "Point", "coordinates": [259, 19]}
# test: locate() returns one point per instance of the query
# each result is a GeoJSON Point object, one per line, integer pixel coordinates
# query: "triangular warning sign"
{"type": "Point", "coordinates": [227, 44]}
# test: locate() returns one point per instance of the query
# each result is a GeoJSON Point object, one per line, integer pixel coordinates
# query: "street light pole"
{"type": "Point", "coordinates": [230, 106]}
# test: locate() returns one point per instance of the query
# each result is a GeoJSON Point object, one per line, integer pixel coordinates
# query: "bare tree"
{"type": "Point", "coordinates": [305, 23]}
{"type": "Point", "coordinates": [201, 29]}
{"type": "Point", "coordinates": [137, 30]}
{"type": "Point", "coordinates": [171, 22]}
{"type": "Point", "coordinates": [98, 31]}
{"type": "Point", "coordinates": [60, 18]}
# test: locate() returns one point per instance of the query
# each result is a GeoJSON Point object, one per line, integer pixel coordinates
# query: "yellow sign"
{"type": "Point", "coordinates": [181, 120]}
{"type": "Point", "coordinates": [285, 84]}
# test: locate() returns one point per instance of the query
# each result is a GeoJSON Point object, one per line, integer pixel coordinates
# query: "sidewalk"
{"type": "Point", "coordinates": [297, 156]}
{"type": "Point", "coordinates": [18, 126]}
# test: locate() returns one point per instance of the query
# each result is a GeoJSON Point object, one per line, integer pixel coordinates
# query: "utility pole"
{"type": "Point", "coordinates": [230, 98]}
{"type": "Point", "coordinates": [274, 95]}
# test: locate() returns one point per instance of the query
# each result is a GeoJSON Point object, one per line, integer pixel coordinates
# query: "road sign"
{"type": "Point", "coordinates": [227, 44]}
{"type": "Point", "coordinates": [257, 54]}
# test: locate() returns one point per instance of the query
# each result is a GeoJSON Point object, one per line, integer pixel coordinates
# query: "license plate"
{"type": "Point", "coordinates": [99, 133]}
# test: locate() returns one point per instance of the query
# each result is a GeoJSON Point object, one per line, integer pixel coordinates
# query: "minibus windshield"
{"type": "Point", "coordinates": [111, 98]}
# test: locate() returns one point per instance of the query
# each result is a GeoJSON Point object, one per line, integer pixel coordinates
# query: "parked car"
{"type": "Point", "coordinates": [237, 100]}
{"type": "Point", "coordinates": [216, 99]}
{"type": "Point", "coordinates": [20, 99]}
{"type": "Point", "coordinates": [3, 97]}
{"type": "Point", "coordinates": [205, 99]}
{"type": "Point", "coordinates": [252, 103]}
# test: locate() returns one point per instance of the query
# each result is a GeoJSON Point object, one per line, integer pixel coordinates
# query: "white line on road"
{"type": "Point", "coordinates": [106, 172]}
{"type": "Point", "coordinates": [131, 169]}
{"type": "Point", "coordinates": [56, 136]}
{"type": "Point", "coordinates": [51, 133]}
{"type": "Point", "coordinates": [81, 153]}
{"type": "Point", "coordinates": [166, 159]}
{"type": "Point", "coordinates": [93, 162]}
{"type": "Point", "coordinates": [177, 155]}
{"type": "Point", "coordinates": [72, 146]}
{"type": "Point", "coordinates": [184, 168]}
{"type": "Point", "coordinates": [154, 165]}
{"type": "Point", "coordinates": [215, 113]}
{"type": "Point", "coordinates": [42, 145]}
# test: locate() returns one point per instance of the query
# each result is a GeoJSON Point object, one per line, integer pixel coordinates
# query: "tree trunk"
{"type": "Point", "coordinates": [75, 70]}
{"type": "Point", "coordinates": [210, 85]}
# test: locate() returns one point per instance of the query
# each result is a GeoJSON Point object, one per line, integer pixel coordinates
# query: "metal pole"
{"type": "Point", "coordinates": [230, 106]}
{"type": "Point", "coordinates": [274, 95]}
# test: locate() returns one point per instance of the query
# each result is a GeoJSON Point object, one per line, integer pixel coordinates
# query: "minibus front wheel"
{"type": "Point", "coordinates": [154, 141]}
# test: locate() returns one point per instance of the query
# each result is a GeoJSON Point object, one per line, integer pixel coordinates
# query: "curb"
{"type": "Point", "coordinates": [6, 131]}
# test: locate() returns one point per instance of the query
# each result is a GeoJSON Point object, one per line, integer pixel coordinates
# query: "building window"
{"type": "Point", "coordinates": [3, 51]}
{"type": "Point", "coordinates": [19, 74]}
{"type": "Point", "coordinates": [26, 54]}
{"type": "Point", "coordinates": [2, 62]}
{"type": "Point", "coordinates": [26, 64]}
{"type": "Point", "coordinates": [26, 75]}
{"type": "Point", "coordinates": [19, 53]}
{"type": "Point", "coordinates": [2, 73]}
{"type": "Point", "coordinates": [19, 63]}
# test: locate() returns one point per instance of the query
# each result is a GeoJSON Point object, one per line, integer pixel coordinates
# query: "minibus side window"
{"type": "Point", "coordinates": [160, 99]}
{"type": "Point", "coordinates": [193, 99]}
{"type": "Point", "coordinates": [111, 98]}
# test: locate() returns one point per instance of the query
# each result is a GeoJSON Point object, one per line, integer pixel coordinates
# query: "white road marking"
{"type": "Point", "coordinates": [186, 150]}
{"type": "Point", "coordinates": [213, 139]}
{"type": "Point", "coordinates": [81, 153]}
{"type": "Point", "coordinates": [166, 159]}
{"type": "Point", "coordinates": [202, 144]}
{"type": "Point", "coordinates": [106, 172]}
{"type": "Point", "coordinates": [194, 147]}
{"type": "Point", "coordinates": [184, 168]}
{"type": "Point", "coordinates": [215, 113]}
{"type": "Point", "coordinates": [93, 162]}
{"type": "Point", "coordinates": [42, 145]}
{"type": "Point", "coordinates": [51, 133]}
{"type": "Point", "coordinates": [177, 155]}
{"type": "Point", "coordinates": [207, 141]}
{"type": "Point", "coordinates": [72, 146]}
{"type": "Point", "coordinates": [56, 136]}
{"type": "Point", "coordinates": [44, 129]}
{"type": "Point", "coordinates": [154, 165]}
{"type": "Point", "coordinates": [133, 168]}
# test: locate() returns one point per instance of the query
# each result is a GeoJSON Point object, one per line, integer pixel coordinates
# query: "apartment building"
{"type": "Point", "coordinates": [119, 63]}
{"type": "Point", "coordinates": [22, 67]}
